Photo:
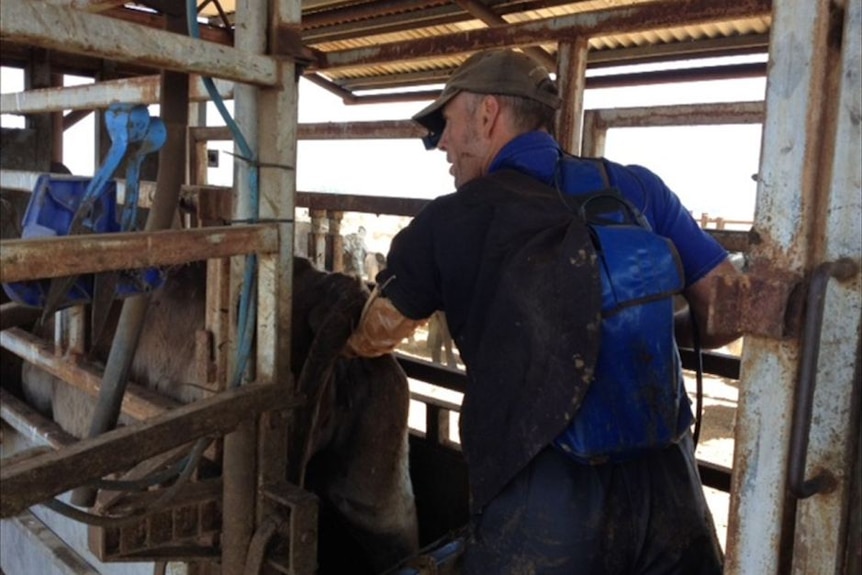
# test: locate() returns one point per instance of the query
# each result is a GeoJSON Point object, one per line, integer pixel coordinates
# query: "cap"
{"type": "Point", "coordinates": [503, 72]}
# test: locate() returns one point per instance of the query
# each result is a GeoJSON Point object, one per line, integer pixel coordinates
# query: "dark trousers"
{"type": "Point", "coordinates": [646, 516]}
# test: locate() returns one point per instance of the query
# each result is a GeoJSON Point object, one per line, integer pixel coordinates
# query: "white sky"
{"type": "Point", "coordinates": [710, 167]}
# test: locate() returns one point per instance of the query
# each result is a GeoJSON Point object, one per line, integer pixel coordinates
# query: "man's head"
{"type": "Point", "coordinates": [491, 98]}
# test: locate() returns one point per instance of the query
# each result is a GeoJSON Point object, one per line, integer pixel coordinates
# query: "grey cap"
{"type": "Point", "coordinates": [503, 72]}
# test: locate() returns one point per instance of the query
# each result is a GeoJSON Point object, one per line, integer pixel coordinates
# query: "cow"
{"type": "Point", "coordinates": [355, 456]}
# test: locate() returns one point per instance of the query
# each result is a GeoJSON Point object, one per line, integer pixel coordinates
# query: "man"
{"type": "Point", "coordinates": [578, 448]}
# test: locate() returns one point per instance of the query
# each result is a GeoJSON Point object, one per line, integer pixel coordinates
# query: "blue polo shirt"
{"type": "Point", "coordinates": [537, 153]}
{"type": "Point", "coordinates": [434, 260]}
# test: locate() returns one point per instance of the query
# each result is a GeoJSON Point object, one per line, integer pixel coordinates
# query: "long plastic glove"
{"type": "Point", "coordinates": [381, 328]}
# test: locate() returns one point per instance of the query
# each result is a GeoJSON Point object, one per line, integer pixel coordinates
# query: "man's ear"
{"type": "Point", "coordinates": [489, 110]}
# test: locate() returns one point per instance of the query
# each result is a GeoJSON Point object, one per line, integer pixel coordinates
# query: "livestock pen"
{"type": "Point", "coordinates": [793, 489]}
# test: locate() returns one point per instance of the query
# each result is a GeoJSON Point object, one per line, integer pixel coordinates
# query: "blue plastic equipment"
{"type": "Point", "coordinates": [69, 205]}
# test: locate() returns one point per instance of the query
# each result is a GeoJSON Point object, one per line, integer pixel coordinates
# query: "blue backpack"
{"type": "Point", "coordinates": [637, 400]}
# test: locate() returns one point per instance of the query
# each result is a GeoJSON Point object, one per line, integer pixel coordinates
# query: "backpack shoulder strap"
{"type": "Point", "coordinates": [520, 185]}
{"type": "Point", "coordinates": [601, 202]}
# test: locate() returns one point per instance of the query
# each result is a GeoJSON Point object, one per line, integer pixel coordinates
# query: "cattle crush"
{"type": "Point", "coordinates": [210, 426]}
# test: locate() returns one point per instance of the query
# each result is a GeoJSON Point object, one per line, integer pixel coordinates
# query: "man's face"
{"type": "Point", "coordinates": [463, 140]}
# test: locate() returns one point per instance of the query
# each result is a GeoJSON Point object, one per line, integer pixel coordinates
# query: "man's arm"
{"type": "Point", "coordinates": [381, 328]}
{"type": "Point", "coordinates": [699, 297]}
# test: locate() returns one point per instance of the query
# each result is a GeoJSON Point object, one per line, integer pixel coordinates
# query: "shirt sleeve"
{"type": "Point", "coordinates": [410, 279]}
{"type": "Point", "coordinates": [699, 252]}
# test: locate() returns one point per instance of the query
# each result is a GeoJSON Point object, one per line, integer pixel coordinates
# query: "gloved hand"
{"type": "Point", "coordinates": [381, 328]}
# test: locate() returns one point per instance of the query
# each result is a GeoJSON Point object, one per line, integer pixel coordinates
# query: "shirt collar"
{"type": "Point", "coordinates": [534, 153]}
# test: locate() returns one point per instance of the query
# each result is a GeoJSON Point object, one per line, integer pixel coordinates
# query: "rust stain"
{"type": "Point", "coordinates": [765, 303]}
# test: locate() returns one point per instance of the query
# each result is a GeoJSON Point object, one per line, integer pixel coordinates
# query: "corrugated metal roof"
{"type": "Point", "coordinates": [331, 26]}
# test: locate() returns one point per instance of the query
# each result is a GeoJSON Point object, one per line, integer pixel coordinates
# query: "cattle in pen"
{"type": "Point", "coordinates": [356, 441]}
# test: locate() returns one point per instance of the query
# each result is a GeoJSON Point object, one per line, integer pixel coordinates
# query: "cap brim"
{"type": "Point", "coordinates": [431, 116]}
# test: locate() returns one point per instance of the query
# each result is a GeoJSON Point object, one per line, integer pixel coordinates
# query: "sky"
{"type": "Point", "coordinates": [710, 167]}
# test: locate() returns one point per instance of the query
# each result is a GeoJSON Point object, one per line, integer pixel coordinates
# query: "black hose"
{"type": "Point", "coordinates": [698, 356]}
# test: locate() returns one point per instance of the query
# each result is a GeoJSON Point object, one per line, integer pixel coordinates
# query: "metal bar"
{"type": "Point", "coordinates": [87, 5]}
{"type": "Point", "coordinates": [139, 403]}
{"type": "Point", "coordinates": [45, 551]}
{"type": "Point", "coordinates": [24, 181]}
{"type": "Point", "coordinates": [801, 488]}
{"type": "Point", "coordinates": [368, 204]}
{"type": "Point", "coordinates": [681, 115]}
{"type": "Point", "coordinates": [824, 537]}
{"type": "Point", "coordinates": [489, 17]}
{"type": "Point", "coordinates": [322, 19]}
{"type": "Point", "coordinates": [302, 507]}
{"type": "Point", "coordinates": [29, 482]}
{"type": "Point", "coordinates": [174, 104]}
{"type": "Point", "coordinates": [79, 32]}
{"type": "Point", "coordinates": [571, 81]}
{"type": "Point", "coordinates": [240, 447]}
{"type": "Point", "coordinates": [381, 129]}
{"type": "Point", "coordinates": [15, 314]}
{"type": "Point", "coordinates": [31, 424]}
{"type": "Point", "coordinates": [720, 364]}
{"type": "Point", "coordinates": [673, 76]}
{"type": "Point", "coordinates": [594, 135]}
{"type": "Point", "coordinates": [317, 237]}
{"type": "Point", "coordinates": [712, 474]}
{"type": "Point", "coordinates": [74, 117]}
{"type": "Point", "coordinates": [140, 90]}
{"type": "Point", "coordinates": [587, 24]}
{"type": "Point", "coordinates": [793, 197]}
{"type": "Point", "coordinates": [22, 260]}
{"type": "Point", "coordinates": [432, 423]}
{"type": "Point", "coordinates": [744, 45]}
{"type": "Point", "coordinates": [345, 95]}
{"type": "Point", "coordinates": [334, 241]}
{"type": "Point", "coordinates": [433, 373]}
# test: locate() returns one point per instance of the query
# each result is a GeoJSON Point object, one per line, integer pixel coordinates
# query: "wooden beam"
{"type": "Point", "coordinates": [22, 260]}
{"type": "Point", "coordinates": [41, 477]}
{"type": "Point", "coordinates": [68, 30]}
{"type": "Point", "coordinates": [647, 16]}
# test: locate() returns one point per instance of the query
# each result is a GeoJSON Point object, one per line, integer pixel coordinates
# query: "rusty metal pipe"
{"type": "Point", "coordinates": [800, 487]}
{"type": "Point", "coordinates": [175, 113]}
